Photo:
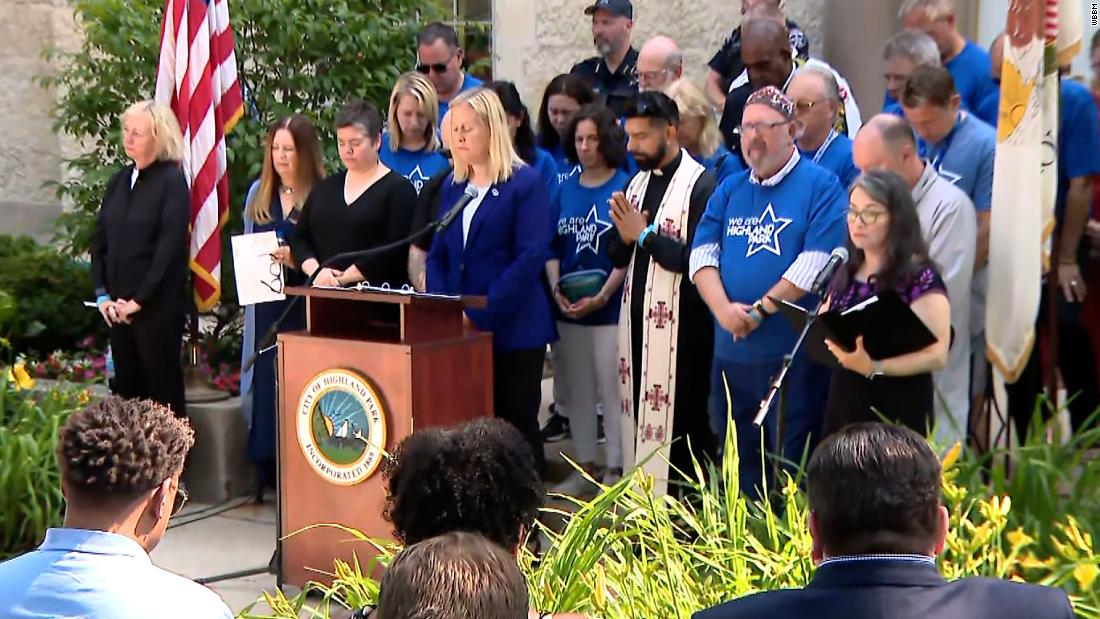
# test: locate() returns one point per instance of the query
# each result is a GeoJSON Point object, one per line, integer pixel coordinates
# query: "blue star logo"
{"type": "Point", "coordinates": [588, 237]}
{"type": "Point", "coordinates": [417, 178]}
{"type": "Point", "coordinates": [764, 236]}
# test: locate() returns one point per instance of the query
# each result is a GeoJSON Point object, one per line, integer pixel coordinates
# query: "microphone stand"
{"type": "Point", "coordinates": [781, 376]}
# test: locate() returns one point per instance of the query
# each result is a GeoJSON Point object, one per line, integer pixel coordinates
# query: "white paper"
{"type": "Point", "coordinates": [259, 276]}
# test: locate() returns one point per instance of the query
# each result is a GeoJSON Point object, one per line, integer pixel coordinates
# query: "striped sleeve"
{"type": "Point", "coordinates": [804, 269]}
{"type": "Point", "coordinates": [703, 256]}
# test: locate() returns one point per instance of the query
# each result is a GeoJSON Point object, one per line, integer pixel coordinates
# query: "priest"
{"type": "Point", "coordinates": [666, 334]}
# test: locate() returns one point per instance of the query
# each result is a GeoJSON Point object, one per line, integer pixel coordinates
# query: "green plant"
{"type": "Point", "coordinates": [305, 56]}
{"type": "Point", "coordinates": [30, 480]}
{"type": "Point", "coordinates": [626, 554]}
{"type": "Point", "coordinates": [45, 290]}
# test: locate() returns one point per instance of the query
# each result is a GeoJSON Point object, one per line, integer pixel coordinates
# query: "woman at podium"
{"type": "Point", "coordinates": [291, 168]}
{"type": "Point", "coordinates": [365, 205]}
{"type": "Point", "coordinates": [497, 248]}
{"type": "Point", "coordinates": [888, 252]}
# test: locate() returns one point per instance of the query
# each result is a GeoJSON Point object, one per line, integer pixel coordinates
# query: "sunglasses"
{"type": "Point", "coordinates": [805, 105]}
{"type": "Point", "coordinates": [438, 67]}
{"type": "Point", "coordinates": [181, 499]}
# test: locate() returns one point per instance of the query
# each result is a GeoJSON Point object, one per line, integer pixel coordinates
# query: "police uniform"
{"type": "Point", "coordinates": [615, 88]}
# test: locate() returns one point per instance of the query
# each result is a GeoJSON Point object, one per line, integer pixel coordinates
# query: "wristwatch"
{"type": "Point", "coordinates": [760, 307]}
{"type": "Point", "coordinates": [876, 370]}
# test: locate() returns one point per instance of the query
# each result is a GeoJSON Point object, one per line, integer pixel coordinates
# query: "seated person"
{"type": "Point", "coordinates": [121, 462]}
{"type": "Point", "coordinates": [877, 525]}
{"type": "Point", "coordinates": [453, 576]}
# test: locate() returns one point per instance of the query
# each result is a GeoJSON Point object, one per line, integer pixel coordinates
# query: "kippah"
{"type": "Point", "coordinates": [773, 98]}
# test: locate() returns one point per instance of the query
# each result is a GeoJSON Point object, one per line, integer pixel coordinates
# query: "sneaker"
{"type": "Point", "coordinates": [612, 476]}
{"type": "Point", "coordinates": [576, 486]}
{"type": "Point", "coordinates": [556, 429]}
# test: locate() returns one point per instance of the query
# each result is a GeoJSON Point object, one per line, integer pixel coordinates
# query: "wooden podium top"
{"type": "Point", "coordinates": [397, 296]}
{"type": "Point", "coordinates": [378, 315]}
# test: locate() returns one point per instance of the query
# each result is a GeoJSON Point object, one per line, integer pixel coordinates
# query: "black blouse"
{"type": "Point", "coordinates": [139, 250]}
{"type": "Point", "coordinates": [382, 214]}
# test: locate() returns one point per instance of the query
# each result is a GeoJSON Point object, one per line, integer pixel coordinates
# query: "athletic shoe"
{"type": "Point", "coordinates": [556, 429]}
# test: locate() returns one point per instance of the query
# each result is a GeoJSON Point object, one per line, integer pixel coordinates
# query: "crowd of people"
{"type": "Point", "coordinates": [632, 204]}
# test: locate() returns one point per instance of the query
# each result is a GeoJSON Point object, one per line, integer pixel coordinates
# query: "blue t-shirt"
{"type": "Point", "coordinates": [566, 168]}
{"type": "Point", "coordinates": [581, 233]}
{"type": "Point", "coordinates": [1078, 140]}
{"type": "Point", "coordinates": [892, 107]}
{"type": "Point", "coordinates": [722, 164]}
{"type": "Point", "coordinates": [965, 157]}
{"type": "Point", "coordinates": [416, 165]}
{"type": "Point", "coordinates": [989, 109]}
{"type": "Point", "coordinates": [837, 158]}
{"type": "Point", "coordinates": [547, 169]}
{"type": "Point", "coordinates": [971, 71]}
{"type": "Point", "coordinates": [760, 232]}
{"type": "Point", "coordinates": [469, 82]}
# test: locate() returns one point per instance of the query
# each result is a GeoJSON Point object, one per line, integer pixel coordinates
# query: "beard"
{"type": "Point", "coordinates": [603, 46]}
{"type": "Point", "coordinates": [647, 161]}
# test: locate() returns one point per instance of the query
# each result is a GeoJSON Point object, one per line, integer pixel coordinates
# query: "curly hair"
{"type": "Point", "coordinates": [478, 477]}
{"type": "Point", "coordinates": [120, 447]}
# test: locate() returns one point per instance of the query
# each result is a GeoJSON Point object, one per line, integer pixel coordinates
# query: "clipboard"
{"type": "Point", "coordinates": [888, 326]}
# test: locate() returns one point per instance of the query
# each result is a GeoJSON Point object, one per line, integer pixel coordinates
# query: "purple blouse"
{"type": "Point", "coordinates": [911, 288]}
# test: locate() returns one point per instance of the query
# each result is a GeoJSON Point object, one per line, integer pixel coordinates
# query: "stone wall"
{"type": "Point", "coordinates": [534, 40]}
{"type": "Point", "coordinates": [30, 152]}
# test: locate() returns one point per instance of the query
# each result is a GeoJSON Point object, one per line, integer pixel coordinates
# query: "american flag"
{"type": "Point", "coordinates": [197, 77]}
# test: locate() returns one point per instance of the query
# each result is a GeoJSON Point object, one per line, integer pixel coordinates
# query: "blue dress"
{"type": "Point", "coordinates": [262, 449]}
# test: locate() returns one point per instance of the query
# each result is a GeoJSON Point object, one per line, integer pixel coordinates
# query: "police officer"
{"type": "Point", "coordinates": [613, 74]}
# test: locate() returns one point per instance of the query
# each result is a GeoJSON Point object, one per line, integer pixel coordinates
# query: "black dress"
{"type": "Point", "coordinates": [382, 214]}
{"type": "Point", "coordinates": [907, 400]}
{"type": "Point", "coordinates": [139, 252]}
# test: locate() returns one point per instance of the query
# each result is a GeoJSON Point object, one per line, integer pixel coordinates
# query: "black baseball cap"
{"type": "Point", "coordinates": [622, 8]}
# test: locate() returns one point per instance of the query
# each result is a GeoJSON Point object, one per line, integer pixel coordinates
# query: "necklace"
{"type": "Point", "coordinates": [287, 190]}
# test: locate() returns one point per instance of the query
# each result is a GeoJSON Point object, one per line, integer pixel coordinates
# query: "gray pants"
{"type": "Point", "coordinates": [586, 364]}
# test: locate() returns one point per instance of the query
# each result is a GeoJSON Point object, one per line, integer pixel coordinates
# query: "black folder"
{"type": "Point", "coordinates": [889, 328]}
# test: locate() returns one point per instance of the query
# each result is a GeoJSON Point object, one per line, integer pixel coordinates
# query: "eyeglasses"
{"type": "Point", "coordinates": [651, 76]}
{"type": "Point", "coordinates": [805, 105]}
{"type": "Point", "coordinates": [747, 128]}
{"type": "Point", "coordinates": [276, 271]}
{"type": "Point", "coordinates": [181, 499]}
{"type": "Point", "coordinates": [867, 217]}
{"type": "Point", "coordinates": [438, 67]}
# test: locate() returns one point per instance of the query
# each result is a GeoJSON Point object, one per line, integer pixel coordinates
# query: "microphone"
{"type": "Point", "coordinates": [836, 260]}
{"type": "Point", "coordinates": [469, 194]}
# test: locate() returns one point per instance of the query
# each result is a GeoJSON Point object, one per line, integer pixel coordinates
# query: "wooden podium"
{"type": "Point", "coordinates": [370, 368]}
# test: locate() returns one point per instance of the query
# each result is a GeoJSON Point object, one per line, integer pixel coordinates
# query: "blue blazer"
{"type": "Point", "coordinates": [503, 259]}
{"type": "Point", "coordinates": [897, 590]}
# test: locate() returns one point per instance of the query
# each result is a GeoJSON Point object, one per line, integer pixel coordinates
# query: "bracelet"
{"type": "Point", "coordinates": [650, 229]}
{"type": "Point", "coordinates": [103, 298]}
{"type": "Point", "coordinates": [756, 315]}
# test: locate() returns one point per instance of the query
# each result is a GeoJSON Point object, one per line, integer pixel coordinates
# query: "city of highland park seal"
{"type": "Point", "coordinates": [341, 426]}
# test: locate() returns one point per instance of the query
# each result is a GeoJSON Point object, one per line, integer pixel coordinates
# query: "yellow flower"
{"type": "Point", "coordinates": [1019, 539]}
{"type": "Point", "coordinates": [17, 375]}
{"type": "Point", "coordinates": [952, 456]}
{"type": "Point", "coordinates": [1085, 574]}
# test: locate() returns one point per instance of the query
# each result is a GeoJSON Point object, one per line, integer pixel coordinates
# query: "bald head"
{"type": "Point", "coordinates": [886, 142]}
{"type": "Point", "coordinates": [660, 62]}
{"type": "Point", "coordinates": [817, 100]}
{"type": "Point", "coordinates": [766, 51]}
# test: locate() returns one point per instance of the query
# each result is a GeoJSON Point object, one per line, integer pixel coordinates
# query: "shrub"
{"type": "Point", "coordinates": [628, 554]}
{"type": "Point", "coordinates": [48, 289]}
{"type": "Point", "coordinates": [30, 480]}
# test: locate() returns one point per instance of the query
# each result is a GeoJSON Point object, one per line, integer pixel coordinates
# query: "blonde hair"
{"type": "Point", "coordinates": [503, 159]}
{"type": "Point", "coordinates": [310, 167]}
{"type": "Point", "coordinates": [692, 103]}
{"type": "Point", "coordinates": [934, 9]}
{"type": "Point", "coordinates": [165, 127]}
{"type": "Point", "coordinates": [413, 84]}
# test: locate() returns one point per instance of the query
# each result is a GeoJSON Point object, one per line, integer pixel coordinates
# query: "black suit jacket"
{"type": "Point", "coordinates": [881, 589]}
